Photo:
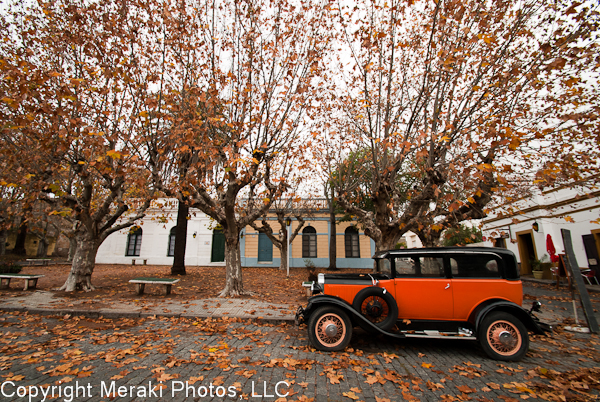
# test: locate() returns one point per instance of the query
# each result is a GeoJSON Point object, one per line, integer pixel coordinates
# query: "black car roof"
{"type": "Point", "coordinates": [500, 252]}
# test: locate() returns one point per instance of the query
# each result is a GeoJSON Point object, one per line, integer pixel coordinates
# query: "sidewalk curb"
{"type": "Point", "coordinates": [116, 314]}
{"type": "Point", "coordinates": [240, 311]}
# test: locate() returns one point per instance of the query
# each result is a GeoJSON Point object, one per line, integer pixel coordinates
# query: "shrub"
{"type": "Point", "coordinates": [10, 268]}
{"type": "Point", "coordinates": [461, 235]}
{"type": "Point", "coordinates": [400, 245]}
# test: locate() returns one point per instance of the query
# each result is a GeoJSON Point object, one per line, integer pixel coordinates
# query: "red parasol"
{"type": "Point", "coordinates": [550, 248]}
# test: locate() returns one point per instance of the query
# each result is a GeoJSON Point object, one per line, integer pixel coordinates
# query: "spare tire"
{"type": "Point", "coordinates": [377, 306]}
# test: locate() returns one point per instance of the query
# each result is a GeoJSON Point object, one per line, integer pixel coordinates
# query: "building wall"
{"type": "Point", "coordinates": [321, 224]}
{"type": "Point", "coordinates": [576, 210]}
{"type": "Point", "coordinates": [31, 244]}
{"type": "Point", "coordinates": [157, 225]}
{"type": "Point", "coordinates": [412, 240]}
{"type": "Point", "coordinates": [250, 241]}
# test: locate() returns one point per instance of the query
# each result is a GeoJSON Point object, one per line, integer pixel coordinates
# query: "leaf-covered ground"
{"type": "Point", "coordinates": [139, 357]}
{"type": "Point", "coordinates": [266, 284]}
{"type": "Point", "coordinates": [112, 282]}
{"type": "Point", "coordinates": [186, 359]}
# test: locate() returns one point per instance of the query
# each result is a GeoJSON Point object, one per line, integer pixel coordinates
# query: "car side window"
{"type": "Point", "coordinates": [432, 267]}
{"type": "Point", "coordinates": [405, 266]}
{"type": "Point", "coordinates": [475, 266]}
{"type": "Point", "coordinates": [419, 266]}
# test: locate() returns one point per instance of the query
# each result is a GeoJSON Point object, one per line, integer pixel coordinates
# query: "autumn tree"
{"type": "Point", "coordinates": [239, 106]}
{"type": "Point", "coordinates": [69, 113]}
{"type": "Point", "coordinates": [462, 98]}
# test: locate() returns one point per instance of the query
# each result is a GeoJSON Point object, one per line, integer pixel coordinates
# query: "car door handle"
{"type": "Point", "coordinates": [447, 287]}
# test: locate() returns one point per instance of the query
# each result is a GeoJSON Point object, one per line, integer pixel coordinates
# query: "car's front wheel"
{"type": "Point", "coordinates": [503, 337]}
{"type": "Point", "coordinates": [329, 329]}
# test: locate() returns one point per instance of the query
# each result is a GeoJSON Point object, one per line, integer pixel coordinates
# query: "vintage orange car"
{"type": "Point", "coordinates": [465, 292]}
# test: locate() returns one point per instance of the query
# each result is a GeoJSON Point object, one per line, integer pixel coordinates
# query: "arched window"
{"type": "Point", "coordinates": [171, 246]}
{"type": "Point", "coordinates": [134, 242]}
{"type": "Point", "coordinates": [351, 242]}
{"type": "Point", "coordinates": [309, 242]}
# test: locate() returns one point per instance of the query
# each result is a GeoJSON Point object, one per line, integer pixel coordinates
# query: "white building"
{"type": "Point", "coordinates": [153, 240]}
{"type": "Point", "coordinates": [524, 230]}
{"type": "Point", "coordinates": [411, 240]}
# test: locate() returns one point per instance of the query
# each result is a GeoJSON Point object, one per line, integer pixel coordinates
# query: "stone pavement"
{"type": "Point", "coordinates": [163, 351]}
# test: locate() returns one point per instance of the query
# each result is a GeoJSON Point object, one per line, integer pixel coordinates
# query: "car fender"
{"type": "Point", "coordinates": [530, 321]}
{"type": "Point", "coordinates": [303, 314]}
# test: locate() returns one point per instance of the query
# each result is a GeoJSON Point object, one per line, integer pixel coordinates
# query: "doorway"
{"type": "Point", "coordinates": [591, 251]}
{"type": "Point", "coordinates": [526, 251]}
{"type": "Point", "coordinates": [218, 246]}
{"type": "Point", "coordinates": [265, 248]}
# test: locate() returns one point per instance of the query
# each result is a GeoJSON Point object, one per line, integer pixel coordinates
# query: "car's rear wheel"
{"type": "Point", "coordinates": [503, 337]}
{"type": "Point", "coordinates": [378, 306]}
{"type": "Point", "coordinates": [329, 328]}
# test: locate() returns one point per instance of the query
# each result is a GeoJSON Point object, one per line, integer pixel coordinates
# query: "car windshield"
{"type": "Point", "coordinates": [385, 267]}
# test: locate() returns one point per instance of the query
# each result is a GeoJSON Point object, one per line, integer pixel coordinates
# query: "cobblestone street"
{"type": "Point", "coordinates": [210, 359]}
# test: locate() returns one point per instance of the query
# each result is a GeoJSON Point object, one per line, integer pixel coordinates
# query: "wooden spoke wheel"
{"type": "Point", "coordinates": [503, 337]}
{"type": "Point", "coordinates": [329, 328]}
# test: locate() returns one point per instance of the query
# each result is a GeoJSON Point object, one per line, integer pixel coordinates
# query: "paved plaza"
{"type": "Point", "coordinates": [153, 354]}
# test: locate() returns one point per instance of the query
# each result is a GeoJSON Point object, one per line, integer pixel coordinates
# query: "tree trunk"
{"type": "Point", "coordinates": [284, 250]}
{"type": "Point", "coordinates": [3, 235]}
{"type": "Point", "coordinates": [42, 250]}
{"type": "Point", "coordinates": [332, 238]}
{"type": "Point", "coordinates": [72, 248]}
{"type": "Point", "coordinates": [178, 267]}
{"type": "Point", "coordinates": [234, 285]}
{"type": "Point", "coordinates": [84, 260]}
{"type": "Point", "coordinates": [19, 248]}
{"type": "Point", "coordinates": [386, 243]}
{"type": "Point", "coordinates": [429, 237]}
{"type": "Point", "coordinates": [432, 239]}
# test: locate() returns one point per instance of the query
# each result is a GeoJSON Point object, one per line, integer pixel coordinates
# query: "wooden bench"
{"type": "Point", "coordinates": [30, 280]}
{"type": "Point", "coordinates": [134, 259]}
{"type": "Point", "coordinates": [166, 282]}
{"type": "Point", "coordinates": [38, 261]}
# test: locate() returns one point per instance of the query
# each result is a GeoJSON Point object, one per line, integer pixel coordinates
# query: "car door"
{"type": "Point", "coordinates": [477, 278]}
{"type": "Point", "coordinates": [423, 292]}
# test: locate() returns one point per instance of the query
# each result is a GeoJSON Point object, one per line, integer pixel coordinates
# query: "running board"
{"type": "Point", "coordinates": [467, 335]}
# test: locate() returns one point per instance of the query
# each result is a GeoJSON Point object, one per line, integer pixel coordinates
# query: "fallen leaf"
{"type": "Point", "coordinates": [466, 389]}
